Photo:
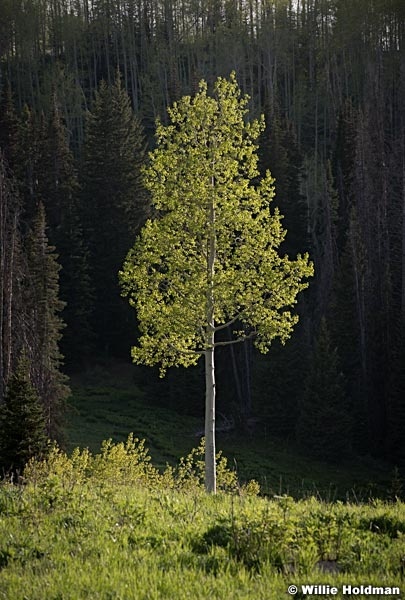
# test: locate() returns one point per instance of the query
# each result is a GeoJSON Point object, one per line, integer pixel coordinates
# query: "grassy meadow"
{"type": "Point", "coordinates": [110, 526]}
{"type": "Point", "coordinates": [114, 401]}
{"type": "Point", "coordinates": [115, 521]}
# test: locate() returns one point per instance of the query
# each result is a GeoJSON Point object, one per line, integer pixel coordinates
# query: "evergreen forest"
{"type": "Point", "coordinates": [82, 83]}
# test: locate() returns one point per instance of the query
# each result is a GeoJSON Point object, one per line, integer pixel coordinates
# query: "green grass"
{"type": "Point", "coordinates": [110, 527]}
{"type": "Point", "coordinates": [98, 412]}
{"type": "Point", "coordinates": [108, 403]}
{"type": "Point", "coordinates": [120, 525]}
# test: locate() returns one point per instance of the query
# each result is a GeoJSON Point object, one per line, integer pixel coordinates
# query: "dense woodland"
{"type": "Point", "coordinates": [82, 83]}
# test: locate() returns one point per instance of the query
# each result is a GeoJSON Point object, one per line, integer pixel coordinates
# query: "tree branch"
{"type": "Point", "coordinates": [201, 352]}
{"type": "Point", "coordinates": [225, 325]}
{"type": "Point", "coordinates": [240, 339]}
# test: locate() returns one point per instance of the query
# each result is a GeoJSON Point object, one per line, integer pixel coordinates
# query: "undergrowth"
{"type": "Point", "coordinates": [111, 526]}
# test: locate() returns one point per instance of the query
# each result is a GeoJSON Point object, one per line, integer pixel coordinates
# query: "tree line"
{"type": "Point", "coordinates": [82, 84]}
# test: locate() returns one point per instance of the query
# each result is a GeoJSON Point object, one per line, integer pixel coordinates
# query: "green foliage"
{"type": "Point", "coordinates": [22, 422]}
{"type": "Point", "coordinates": [279, 151]}
{"type": "Point", "coordinates": [190, 474]}
{"type": "Point", "coordinates": [58, 188]}
{"type": "Point", "coordinates": [79, 531]}
{"type": "Point", "coordinates": [113, 204]}
{"type": "Point", "coordinates": [42, 307]}
{"type": "Point", "coordinates": [129, 463]}
{"type": "Point", "coordinates": [213, 236]}
{"type": "Point", "coordinates": [106, 402]}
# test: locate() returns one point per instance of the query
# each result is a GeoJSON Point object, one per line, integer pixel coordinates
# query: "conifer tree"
{"type": "Point", "coordinates": [44, 324]}
{"type": "Point", "coordinates": [112, 203]}
{"type": "Point", "coordinates": [55, 171]}
{"type": "Point", "coordinates": [281, 372]}
{"type": "Point", "coordinates": [278, 389]}
{"type": "Point", "coordinates": [22, 421]}
{"type": "Point", "coordinates": [46, 173]}
{"type": "Point", "coordinates": [350, 326]}
{"type": "Point", "coordinates": [324, 427]}
{"type": "Point", "coordinates": [279, 152]}
{"type": "Point", "coordinates": [76, 291]}
{"type": "Point", "coordinates": [58, 188]}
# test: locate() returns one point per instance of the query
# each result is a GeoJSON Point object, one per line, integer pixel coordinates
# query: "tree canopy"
{"type": "Point", "coordinates": [208, 259]}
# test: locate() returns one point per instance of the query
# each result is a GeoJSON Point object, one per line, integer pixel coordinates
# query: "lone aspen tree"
{"type": "Point", "coordinates": [207, 260]}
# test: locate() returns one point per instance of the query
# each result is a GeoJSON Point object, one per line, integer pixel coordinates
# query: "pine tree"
{"type": "Point", "coordinates": [56, 175]}
{"type": "Point", "coordinates": [44, 324]}
{"type": "Point", "coordinates": [344, 166]}
{"type": "Point", "coordinates": [324, 425]}
{"type": "Point", "coordinates": [113, 204]}
{"type": "Point", "coordinates": [281, 372]}
{"type": "Point", "coordinates": [58, 188]}
{"type": "Point", "coordinates": [76, 291]}
{"type": "Point", "coordinates": [347, 326]}
{"type": "Point", "coordinates": [279, 152]}
{"type": "Point", "coordinates": [278, 389]}
{"type": "Point", "coordinates": [22, 421]}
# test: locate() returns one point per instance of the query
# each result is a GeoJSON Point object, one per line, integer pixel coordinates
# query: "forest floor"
{"type": "Point", "coordinates": [108, 403]}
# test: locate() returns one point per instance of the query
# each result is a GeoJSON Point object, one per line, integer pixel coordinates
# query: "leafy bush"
{"type": "Point", "coordinates": [129, 463]}
{"type": "Point", "coordinates": [125, 463]}
{"type": "Point", "coordinates": [190, 472]}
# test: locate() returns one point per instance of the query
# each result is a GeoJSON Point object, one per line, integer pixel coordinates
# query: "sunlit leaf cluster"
{"type": "Point", "coordinates": [211, 209]}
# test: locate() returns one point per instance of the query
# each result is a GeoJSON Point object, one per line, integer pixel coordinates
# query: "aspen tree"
{"type": "Point", "coordinates": [208, 259]}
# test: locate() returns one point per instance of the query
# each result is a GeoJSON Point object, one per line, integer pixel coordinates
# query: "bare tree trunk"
{"type": "Point", "coordinates": [8, 329]}
{"type": "Point", "coordinates": [210, 466]}
{"type": "Point", "coordinates": [235, 372]}
{"type": "Point", "coordinates": [2, 277]}
{"type": "Point", "coordinates": [247, 397]}
{"type": "Point", "coordinates": [8, 240]}
{"type": "Point", "coordinates": [403, 244]}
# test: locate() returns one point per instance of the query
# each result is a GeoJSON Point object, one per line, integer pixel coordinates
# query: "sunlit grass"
{"type": "Point", "coordinates": [111, 527]}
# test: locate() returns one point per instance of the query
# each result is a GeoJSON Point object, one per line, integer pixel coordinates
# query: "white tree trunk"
{"type": "Point", "coordinates": [210, 464]}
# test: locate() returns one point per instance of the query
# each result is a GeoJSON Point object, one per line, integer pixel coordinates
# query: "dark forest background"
{"type": "Point", "coordinates": [82, 82]}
